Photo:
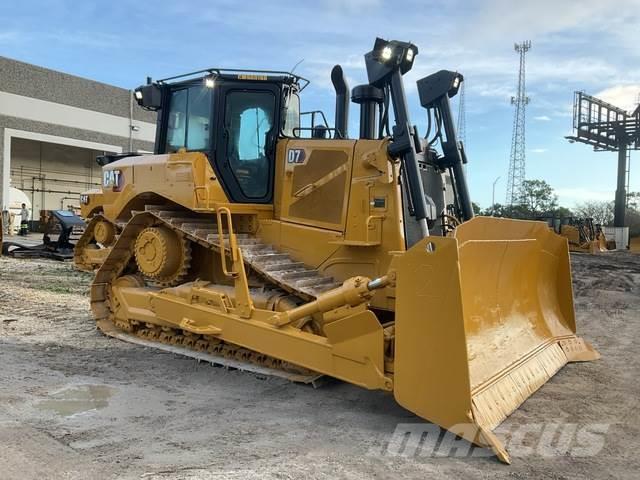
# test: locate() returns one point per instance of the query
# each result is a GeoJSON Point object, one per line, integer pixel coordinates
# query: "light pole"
{"type": "Point", "coordinates": [493, 194]}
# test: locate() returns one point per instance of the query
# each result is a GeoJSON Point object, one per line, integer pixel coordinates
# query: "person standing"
{"type": "Point", "coordinates": [24, 220]}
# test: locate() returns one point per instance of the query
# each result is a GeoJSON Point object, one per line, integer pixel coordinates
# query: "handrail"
{"type": "Point", "coordinates": [233, 246]}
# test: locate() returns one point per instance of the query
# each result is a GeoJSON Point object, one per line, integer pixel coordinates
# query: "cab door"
{"type": "Point", "coordinates": [249, 125]}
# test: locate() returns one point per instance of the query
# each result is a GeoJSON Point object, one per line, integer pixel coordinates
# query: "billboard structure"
{"type": "Point", "coordinates": [607, 128]}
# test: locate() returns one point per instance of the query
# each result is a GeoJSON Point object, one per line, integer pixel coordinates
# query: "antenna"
{"type": "Point", "coordinates": [296, 65]}
{"type": "Point", "coordinates": [516, 175]}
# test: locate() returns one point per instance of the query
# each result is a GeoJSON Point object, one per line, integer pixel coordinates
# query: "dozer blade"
{"type": "Point", "coordinates": [482, 321]}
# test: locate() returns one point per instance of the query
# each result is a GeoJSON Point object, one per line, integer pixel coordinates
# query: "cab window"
{"type": "Point", "coordinates": [292, 117]}
{"type": "Point", "coordinates": [188, 119]}
{"type": "Point", "coordinates": [249, 124]}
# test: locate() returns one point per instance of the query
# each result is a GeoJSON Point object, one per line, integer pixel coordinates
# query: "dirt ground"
{"type": "Point", "coordinates": [76, 404]}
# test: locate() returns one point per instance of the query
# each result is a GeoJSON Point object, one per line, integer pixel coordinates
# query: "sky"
{"type": "Point", "coordinates": [576, 45]}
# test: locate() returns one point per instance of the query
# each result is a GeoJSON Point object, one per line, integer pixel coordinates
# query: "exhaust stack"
{"type": "Point", "coordinates": [342, 101]}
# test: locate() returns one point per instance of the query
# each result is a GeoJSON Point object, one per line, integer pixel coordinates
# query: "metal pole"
{"type": "Point", "coordinates": [621, 193]}
{"type": "Point", "coordinates": [493, 193]}
{"type": "Point", "coordinates": [130, 121]}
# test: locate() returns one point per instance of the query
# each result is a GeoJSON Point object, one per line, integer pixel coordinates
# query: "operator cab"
{"type": "Point", "coordinates": [234, 118]}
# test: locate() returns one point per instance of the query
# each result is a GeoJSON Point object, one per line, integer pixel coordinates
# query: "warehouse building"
{"type": "Point", "coordinates": [52, 127]}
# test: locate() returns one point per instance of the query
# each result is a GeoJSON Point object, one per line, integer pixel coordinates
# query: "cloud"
{"type": "Point", "coordinates": [497, 19]}
{"type": "Point", "coordinates": [623, 96]}
{"type": "Point", "coordinates": [575, 195]}
{"type": "Point", "coordinates": [538, 150]}
{"type": "Point", "coordinates": [542, 118]}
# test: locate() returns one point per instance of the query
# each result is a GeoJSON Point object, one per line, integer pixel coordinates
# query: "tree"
{"type": "Point", "coordinates": [476, 208]}
{"type": "Point", "coordinates": [601, 212]}
{"type": "Point", "coordinates": [632, 220]}
{"type": "Point", "coordinates": [563, 212]}
{"type": "Point", "coordinates": [633, 200]}
{"type": "Point", "coordinates": [495, 210]}
{"type": "Point", "coordinates": [508, 211]}
{"type": "Point", "coordinates": [538, 198]}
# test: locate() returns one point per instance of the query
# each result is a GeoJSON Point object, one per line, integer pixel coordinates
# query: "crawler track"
{"type": "Point", "coordinates": [279, 272]}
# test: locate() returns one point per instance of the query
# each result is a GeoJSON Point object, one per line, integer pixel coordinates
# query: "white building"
{"type": "Point", "coordinates": [52, 127]}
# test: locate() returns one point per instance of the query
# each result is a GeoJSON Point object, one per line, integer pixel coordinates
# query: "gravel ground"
{"type": "Point", "coordinates": [76, 404]}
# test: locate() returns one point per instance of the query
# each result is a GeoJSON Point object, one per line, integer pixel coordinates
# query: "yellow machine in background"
{"type": "Point", "coordinates": [582, 234]}
{"type": "Point", "coordinates": [299, 250]}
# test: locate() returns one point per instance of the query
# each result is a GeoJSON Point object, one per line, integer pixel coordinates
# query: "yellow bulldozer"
{"type": "Point", "coordinates": [582, 234]}
{"type": "Point", "coordinates": [296, 249]}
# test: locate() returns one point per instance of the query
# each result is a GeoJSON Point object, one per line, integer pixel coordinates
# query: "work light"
{"type": "Point", "coordinates": [395, 53]}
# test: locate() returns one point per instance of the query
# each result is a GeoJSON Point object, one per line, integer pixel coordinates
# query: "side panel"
{"type": "Point", "coordinates": [315, 185]}
{"type": "Point", "coordinates": [186, 179]}
{"type": "Point", "coordinates": [369, 224]}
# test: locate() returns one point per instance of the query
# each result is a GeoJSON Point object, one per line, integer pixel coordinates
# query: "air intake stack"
{"type": "Point", "coordinates": [368, 97]}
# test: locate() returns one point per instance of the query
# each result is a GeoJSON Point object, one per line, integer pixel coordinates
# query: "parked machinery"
{"type": "Point", "coordinates": [61, 232]}
{"type": "Point", "coordinates": [581, 233]}
{"type": "Point", "coordinates": [249, 237]}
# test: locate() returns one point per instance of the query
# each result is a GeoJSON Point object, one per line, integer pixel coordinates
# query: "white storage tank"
{"type": "Point", "coordinates": [16, 199]}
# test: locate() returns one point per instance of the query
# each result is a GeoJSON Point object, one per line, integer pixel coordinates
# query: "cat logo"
{"type": "Point", "coordinates": [112, 179]}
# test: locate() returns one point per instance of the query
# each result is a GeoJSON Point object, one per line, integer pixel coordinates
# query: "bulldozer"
{"type": "Point", "coordinates": [582, 234]}
{"type": "Point", "coordinates": [258, 234]}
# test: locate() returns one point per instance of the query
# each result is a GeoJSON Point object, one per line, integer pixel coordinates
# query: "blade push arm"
{"type": "Point", "coordinates": [386, 64]}
{"type": "Point", "coordinates": [435, 91]}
